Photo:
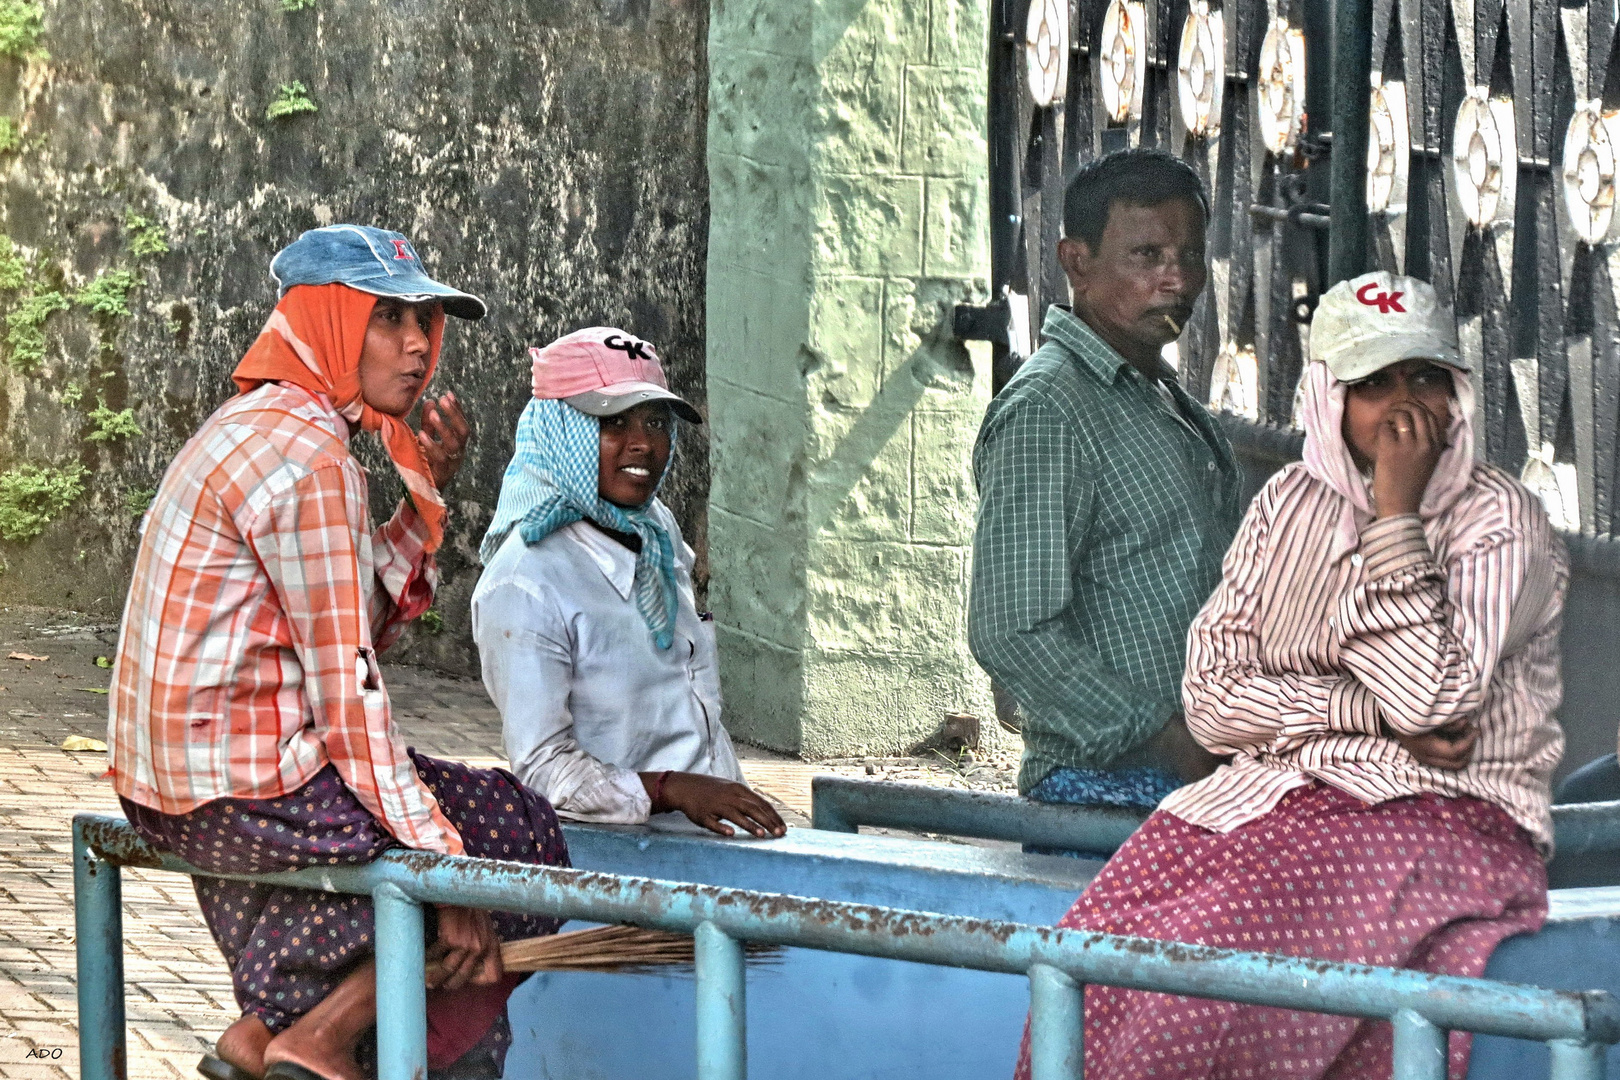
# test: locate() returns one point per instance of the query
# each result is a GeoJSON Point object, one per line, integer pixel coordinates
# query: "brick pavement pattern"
{"type": "Point", "coordinates": [178, 994]}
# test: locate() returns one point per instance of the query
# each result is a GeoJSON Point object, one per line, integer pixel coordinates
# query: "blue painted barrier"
{"type": "Point", "coordinates": [1582, 831]}
{"type": "Point", "coordinates": [830, 1016]}
{"type": "Point", "coordinates": [1576, 1025]}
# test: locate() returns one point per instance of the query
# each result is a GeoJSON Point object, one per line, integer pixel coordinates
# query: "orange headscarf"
{"type": "Point", "coordinates": [313, 339]}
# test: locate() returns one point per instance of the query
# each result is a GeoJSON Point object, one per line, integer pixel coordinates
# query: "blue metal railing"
{"type": "Point", "coordinates": [1577, 1026]}
{"type": "Point", "coordinates": [839, 804]}
{"type": "Point", "coordinates": [843, 805]}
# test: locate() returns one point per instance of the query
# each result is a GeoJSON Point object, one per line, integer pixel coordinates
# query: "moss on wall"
{"type": "Point", "coordinates": [21, 23]}
{"type": "Point", "coordinates": [290, 100]}
{"type": "Point", "coordinates": [548, 157]}
{"type": "Point", "coordinates": [32, 497]}
{"type": "Point", "coordinates": [25, 329]}
{"type": "Point", "coordinates": [107, 294]}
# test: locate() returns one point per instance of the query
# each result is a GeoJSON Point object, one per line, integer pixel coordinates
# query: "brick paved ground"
{"type": "Point", "coordinates": [178, 994]}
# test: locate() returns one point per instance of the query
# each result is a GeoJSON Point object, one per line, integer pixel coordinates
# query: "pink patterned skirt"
{"type": "Point", "coordinates": [1427, 882]}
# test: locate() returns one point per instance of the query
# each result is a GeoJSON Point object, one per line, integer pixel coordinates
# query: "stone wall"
{"type": "Point", "coordinates": [848, 194]}
{"type": "Point", "coordinates": [546, 154]}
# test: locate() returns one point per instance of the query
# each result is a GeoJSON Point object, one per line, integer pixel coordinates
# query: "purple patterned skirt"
{"type": "Point", "coordinates": [288, 948]}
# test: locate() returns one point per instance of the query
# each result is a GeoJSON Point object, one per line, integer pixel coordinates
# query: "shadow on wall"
{"type": "Point", "coordinates": [940, 362]}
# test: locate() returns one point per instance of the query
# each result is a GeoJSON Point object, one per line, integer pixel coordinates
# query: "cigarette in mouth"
{"type": "Point", "coordinates": [1174, 329]}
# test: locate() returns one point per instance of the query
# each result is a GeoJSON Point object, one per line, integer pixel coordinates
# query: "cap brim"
{"type": "Point", "coordinates": [1365, 357]}
{"type": "Point", "coordinates": [613, 400]}
{"type": "Point", "coordinates": [418, 290]}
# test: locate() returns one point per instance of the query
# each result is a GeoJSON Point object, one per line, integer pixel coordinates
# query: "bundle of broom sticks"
{"type": "Point", "coordinates": [624, 949]}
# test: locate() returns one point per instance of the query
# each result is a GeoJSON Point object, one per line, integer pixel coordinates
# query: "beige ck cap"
{"type": "Point", "coordinates": [1379, 319]}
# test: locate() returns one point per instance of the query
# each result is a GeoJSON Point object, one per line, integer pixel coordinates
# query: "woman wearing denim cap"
{"type": "Point", "coordinates": [250, 729]}
{"type": "Point", "coordinates": [592, 647]}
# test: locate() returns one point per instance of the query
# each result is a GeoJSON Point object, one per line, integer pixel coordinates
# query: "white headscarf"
{"type": "Point", "coordinates": [1327, 455]}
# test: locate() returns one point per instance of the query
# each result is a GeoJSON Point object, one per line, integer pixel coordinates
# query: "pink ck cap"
{"type": "Point", "coordinates": [602, 371]}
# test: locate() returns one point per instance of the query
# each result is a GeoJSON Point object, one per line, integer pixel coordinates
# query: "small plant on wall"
{"type": "Point", "coordinates": [108, 294]}
{"type": "Point", "coordinates": [13, 267]}
{"type": "Point", "coordinates": [25, 329]}
{"type": "Point", "coordinates": [31, 497]}
{"type": "Point", "coordinates": [146, 237]}
{"type": "Point", "coordinates": [291, 99]}
{"type": "Point", "coordinates": [21, 24]}
{"type": "Point", "coordinates": [111, 425]}
{"type": "Point", "coordinates": [136, 500]}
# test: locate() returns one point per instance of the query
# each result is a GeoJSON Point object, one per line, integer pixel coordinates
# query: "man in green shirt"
{"type": "Point", "coordinates": [1107, 498]}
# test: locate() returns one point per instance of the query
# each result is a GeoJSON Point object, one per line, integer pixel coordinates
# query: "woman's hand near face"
{"type": "Point", "coordinates": [710, 801]}
{"type": "Point", "coordinates": [1409, 444]}
{"type": "Point", "coordinates": [443, 438]}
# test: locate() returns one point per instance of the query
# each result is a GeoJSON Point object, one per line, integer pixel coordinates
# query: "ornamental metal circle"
{"type": "Point", "coordinates": [1123, 54]}
{"type": "Point", "coordinates": [1389, 149]}
{"type": "Point", "coordinates": [1201, 70]}
{"type": "Point", "coordinates": [1281, 87]}
{"type": "Point", "coordinates": [1589, 171]}
{"type": "Point", "coordinates": [1479, 150]}
{"type": "Point", "coordinates": [1046, 51]}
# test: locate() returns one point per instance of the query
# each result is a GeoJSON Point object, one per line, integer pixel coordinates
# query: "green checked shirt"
{"type": "Point", "coordinates": [1103, 517]}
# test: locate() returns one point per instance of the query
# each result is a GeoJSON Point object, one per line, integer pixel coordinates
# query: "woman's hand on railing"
{"type": "Point", "coordinates": [711, 802]}
{"type": "Point", "coordinates": [466, 950]}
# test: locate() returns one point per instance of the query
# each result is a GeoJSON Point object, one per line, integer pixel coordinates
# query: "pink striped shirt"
{"type": "Point", "coordinates": [1299, 660]}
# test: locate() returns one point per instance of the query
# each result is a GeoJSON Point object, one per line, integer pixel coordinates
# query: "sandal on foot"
{"type": "Point", "coordinates": [217, 1068]}
{"type": "Point", "coordinates": [287, 1070]}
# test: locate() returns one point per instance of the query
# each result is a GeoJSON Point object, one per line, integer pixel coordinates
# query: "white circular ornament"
{"type": "Point", "coordinates": [1281, 87]}
{"type": "Point", "coordinates": [1484, 157]}
{"type": "Point", "coordinates": [1389, 149]}
{"type": "Point", "coordinates": [1122, 60]}
{"type": "Point", "coordinates": [1046, 51]}
{"type": "Point", "coordinates": [1590, 160]}
{"type": "Point", "coordinates": [1201, 70]}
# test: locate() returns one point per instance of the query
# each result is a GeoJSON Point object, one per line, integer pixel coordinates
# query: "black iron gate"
{"type": "Point", "coordinates": [1493, 133]}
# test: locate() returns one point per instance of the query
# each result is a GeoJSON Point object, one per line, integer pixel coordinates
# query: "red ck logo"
{"type": "Point", "coordinates": [1384, 302]}
{"type": "Point", "coordinates": [402, 250]}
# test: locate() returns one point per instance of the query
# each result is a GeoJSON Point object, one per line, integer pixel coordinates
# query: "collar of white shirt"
{"type": "Point", "coordinates": [617, 562]}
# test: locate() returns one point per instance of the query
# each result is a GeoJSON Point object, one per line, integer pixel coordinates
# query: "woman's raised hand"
{"type": "Point", "coordinates": [444, 437]}
{"type": "Point", "coordinates": [1410, 442]}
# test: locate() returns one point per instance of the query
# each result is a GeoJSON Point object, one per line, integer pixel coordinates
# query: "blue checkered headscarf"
{"type": "Point", "coordinates": [552, 482]}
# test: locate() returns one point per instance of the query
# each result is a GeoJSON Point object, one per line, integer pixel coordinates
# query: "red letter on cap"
{"type": "Point", "coordinates": [402, 250]}
{"type": "Point", "coordinates": [1384, 302]}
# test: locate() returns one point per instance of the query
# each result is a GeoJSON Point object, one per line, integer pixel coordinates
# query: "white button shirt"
{"type": "Point", "coordinates": [587, 700]}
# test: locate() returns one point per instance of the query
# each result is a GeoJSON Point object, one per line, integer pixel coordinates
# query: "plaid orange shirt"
{"type": "Point", "coordinates": [246, 661]}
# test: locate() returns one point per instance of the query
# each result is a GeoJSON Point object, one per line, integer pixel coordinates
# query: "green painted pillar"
{"type": "Point", "coordinates": [848, 215]}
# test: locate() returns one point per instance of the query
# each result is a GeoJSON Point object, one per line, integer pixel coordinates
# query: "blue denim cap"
{"type": "Point", "coordinates": [374, 261]}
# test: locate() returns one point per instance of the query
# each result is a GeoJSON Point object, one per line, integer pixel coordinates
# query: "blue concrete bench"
{"type": "Point", "coordinates": [901, 960]}
{"type": "Point", "coordinates": [831, 1016]}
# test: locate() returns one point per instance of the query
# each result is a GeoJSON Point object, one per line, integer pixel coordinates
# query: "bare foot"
{"type": "Point", "coordinates": [315, 1051]}
{"type": "Point", "coordinates": [242, 1045]}
{"type": "Point", "coordinates": [323, 1040]}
